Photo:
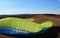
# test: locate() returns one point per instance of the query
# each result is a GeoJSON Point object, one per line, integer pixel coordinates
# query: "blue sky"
{"type": "Point", "coordinates": [29, 6]}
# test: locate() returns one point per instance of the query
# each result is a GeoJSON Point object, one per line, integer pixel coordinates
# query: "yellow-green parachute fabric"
{"type": "Point", "coordinates": [23, 24]}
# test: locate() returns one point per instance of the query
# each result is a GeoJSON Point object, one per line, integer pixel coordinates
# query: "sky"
{"type": "Point", "coordinates": [29, 7]}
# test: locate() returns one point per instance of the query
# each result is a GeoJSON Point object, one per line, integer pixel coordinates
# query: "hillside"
{"type": "Point", "coordinates": [38, 18]}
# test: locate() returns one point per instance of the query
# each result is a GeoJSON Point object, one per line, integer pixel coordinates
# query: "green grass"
{"type": "Point", "coordinates": [23, 24]}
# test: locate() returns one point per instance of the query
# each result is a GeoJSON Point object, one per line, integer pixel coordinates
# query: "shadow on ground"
{"type": "Point", "coordinates": [50, 33]}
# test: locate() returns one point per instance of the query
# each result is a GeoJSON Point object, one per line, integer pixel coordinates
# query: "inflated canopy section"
{"type": "Point", "coordinates": [23, 24]}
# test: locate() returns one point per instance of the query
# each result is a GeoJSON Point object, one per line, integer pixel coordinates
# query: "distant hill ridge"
{"type": "Point", "coordinates": [26, 15]}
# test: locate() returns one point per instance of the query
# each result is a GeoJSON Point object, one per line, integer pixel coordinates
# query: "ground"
{"type": "Point", "coordinates": [40, 18]}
